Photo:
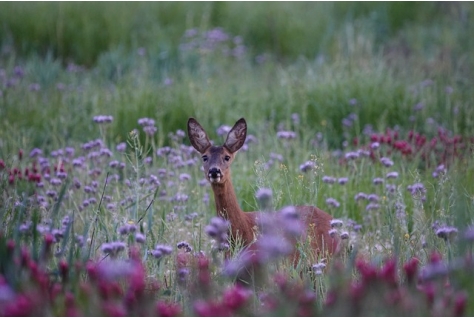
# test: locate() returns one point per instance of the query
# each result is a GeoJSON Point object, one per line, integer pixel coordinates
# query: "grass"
{"type": "Point", "coordinates": [343, 77]}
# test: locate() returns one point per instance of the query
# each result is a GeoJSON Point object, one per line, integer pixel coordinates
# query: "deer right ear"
{"type": "Point", "coordinates": [236, 137]}
{"type": "Point", "coordinates": [198, 136]}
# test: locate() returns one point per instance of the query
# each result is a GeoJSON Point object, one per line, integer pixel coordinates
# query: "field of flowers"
{"type": "Point", "coordinates": [104, 207]}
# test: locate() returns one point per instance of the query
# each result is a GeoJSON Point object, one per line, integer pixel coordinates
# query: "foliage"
{"type": "Point", "coordinates": [363, 110]}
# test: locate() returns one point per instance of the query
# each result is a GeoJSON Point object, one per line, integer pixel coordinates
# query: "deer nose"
{"type": "Point", "coordinates": [214, 172]}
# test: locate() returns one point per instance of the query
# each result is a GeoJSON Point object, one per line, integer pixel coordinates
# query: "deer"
{"type": "Point", "coordinates": [217, 161]}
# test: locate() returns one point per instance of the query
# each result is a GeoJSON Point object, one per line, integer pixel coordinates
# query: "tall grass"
{"type": "Point", "coordinates": [345, 79]}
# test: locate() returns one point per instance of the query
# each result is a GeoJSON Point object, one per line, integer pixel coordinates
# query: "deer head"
{"type": "Point", "coordinates": [217, 159]}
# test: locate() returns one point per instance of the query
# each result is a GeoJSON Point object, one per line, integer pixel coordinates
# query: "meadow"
{"type": "Point", "coordinates": [364, 110]}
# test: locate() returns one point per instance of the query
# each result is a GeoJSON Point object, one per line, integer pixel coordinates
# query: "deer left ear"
{"type": "Point", "coordinates": [198, 136]}
{"type": "Point", "coordinates": [236, 137]}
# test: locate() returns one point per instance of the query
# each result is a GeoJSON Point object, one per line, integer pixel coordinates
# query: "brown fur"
{"type": "Point", "coordinates": [243, 225]}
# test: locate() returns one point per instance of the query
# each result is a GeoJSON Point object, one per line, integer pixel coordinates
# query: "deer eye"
{"type": "Point", "coordinates": [204, 158]}
{"type": "Point", "coordinates": [227, 158]}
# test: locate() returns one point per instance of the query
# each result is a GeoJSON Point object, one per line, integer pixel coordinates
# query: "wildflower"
{"type": "Point", "coordinates": [332, 202]}
{"type": "Point", "coordinates": [191, 216]}
{"type": "Point", "coordinates": [372, 206]}
{"type": "Point", "coordinates": [375, 145]}
{"type": "Point", "coordinates": [390, 188]}
{"type": "Point", "coordinates": [336, 223]}
{"type": "Point", "coordinates": [103, 119]}
{"type": "Point", "coordinates": [184, 245]}
{"type": "Point", "coordinates": [223, 130]}
{"type": "Point", "coordinates": [140, 238]}
{"type": "Point", "coordinates": [318, 268]}
{"type": "Point", "coordinates": [235, 297]}
{"type": "Point", "coordinates": [446, 232]}
{"type": "Point", "coordinates": [416, 189]}
{"type": "Point", "coordinates": [377, 181]}
{"type": "Point", "coordinates": [150, 130]}
{"type": "Point", "coordinates": [55, 181]}
{"type": "Point", "coordinates": [373, 198]}
{"type": "Point", "coordinates": [35, 152]}
{"type": "Point", "coordinates": [332, 233]}
{"type": "Point", "coordinates": [363, 153]}
{"type": "Point", "coordinates": [286, 135]}
{"type": "Point", "coordinates": [184, 177]}
{"type": "Point", "coordinates": [146, 122]}
{"type": "Point", "coordinates": [306, 166]}
{"type": "Point", "coordinates": [80, 240]}
{"type": "Point", "coordinates": [386, 162]}
{"type": "Point", "coordinates": [51, 193]}
{"type": "Point", "coordinates": [344, 235]}
{"type": "Point", "coordinates": [121, 147]}
{"type": "Point", "coordinates": [360, 196]}
{"type": "Point", "coordinates": [113, 248]}
{"type": "Point", "coordinates": [351, 155]}
{"type": "Point", "coordinates": [289, 212]}
{"type": "Point", "coordinates": [217, 229]}
{"type": "Point", "coordinates": [264, 197]}
{"type": "Point", "coordinates": [343, 180]}
{"type": "Point", "coordinates": [328, 180]}
{"type": "Point", "coordinates": [440, 170]}
{"type": "Point", "coordinates": [469, 234]}
{"type": "Point", "coordinates": [392, 175]}
{"type": "Point", "coordinates": [161, 250]}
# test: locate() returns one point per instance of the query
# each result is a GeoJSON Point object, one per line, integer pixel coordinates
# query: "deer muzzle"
{"type": "Point", "coordinates": [214, 175]}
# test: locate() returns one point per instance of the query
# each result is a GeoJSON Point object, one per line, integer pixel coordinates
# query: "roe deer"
{"type": "Point", "coordinates": [243, 226]}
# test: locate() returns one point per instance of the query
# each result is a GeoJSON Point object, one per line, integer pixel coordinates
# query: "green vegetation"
{"type": "Point", "coordinates": [378, 93]}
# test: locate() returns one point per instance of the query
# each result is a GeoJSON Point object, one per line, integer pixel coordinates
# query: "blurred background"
{"type": "Point", "coordinates": [223, 60]}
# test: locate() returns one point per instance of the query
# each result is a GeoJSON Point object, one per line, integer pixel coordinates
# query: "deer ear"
{"type": "Point", "coordinates": [236, 137]}
{"type": "Point", "coordinates": [198, 136]}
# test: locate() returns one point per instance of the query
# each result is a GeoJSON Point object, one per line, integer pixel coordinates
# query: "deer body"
{"type": "Point", "coordinates": [216, 164]}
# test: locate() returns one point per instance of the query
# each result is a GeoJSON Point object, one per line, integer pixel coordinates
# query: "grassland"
{"type": "Point", "coordinates": [94, 101]}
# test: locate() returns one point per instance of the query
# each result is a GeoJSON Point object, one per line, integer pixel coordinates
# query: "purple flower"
{"type": "Point", "coordinates": [329, 179]}
{"type": "Point", "coordinates": [416, 189]}
{"type": "Point", "coordinates": [184, 177]}
{"type": "Point", "coordinates": [146, 122]}
{"type": "Point", "coordinates": [390, 188]}
{"type": "Point", "coordinates": [377, 181]}
{"type": "Point", "coordinates": [140, 238]}
{"type": "Point", "coordinates": [286, 135]}
{"type": "Point", "coordinates": [373, 198]}
{"type": "Point", "coordinates": [306, 166]}
{"type": "Point", "coordinates": [103, 119]}
{"type": "Point", "coordinates": [344, 235]}
{"type": "Point", "coordinates": [217, 229]}
{"type": "Point", "coordinates": [386, 162]}
{"type": "Point", "coordinates": [343, 180]}
{"type": "Point", "coordinates": [161, 250]}
{"type": "Point", "coordinates": [360, 196]}
{"type": "Point", "coordinates": [184, 245]}
{"type": "Point", "coordinates": [332, 202]}
{"type": "Point", "coordinates": [113, 248]}
{"type": "Point", "coordinates": [336, 223]}
{"type": "Point", "coordinates": [375, 145]}
{"type": "Point", "coordinates": [35, 152]}
{"type": "Point", "coordinates": [446, 232]}
{"type": "Point", "coordinates": [264, 197]}
{"type": "Point", "coordinates": [150, 130]}
{"type": "Point", "coordinates": [223, 130]}
{"type": "Point", "coordinates": [440, 170]}
{"type": "Point", "coordinates": [351, 155]}
{"type": "Point", "coordinates": [392, 175]}
{"type": "Point", "coordinates": [372, 206]}
{"type": "Point", "coordinates": [121, 147]}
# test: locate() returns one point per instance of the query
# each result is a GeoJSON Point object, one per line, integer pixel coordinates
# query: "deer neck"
{"type": "Point", "coordinates": [227, 207]}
